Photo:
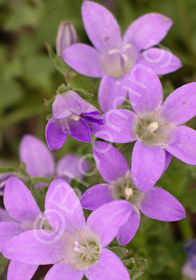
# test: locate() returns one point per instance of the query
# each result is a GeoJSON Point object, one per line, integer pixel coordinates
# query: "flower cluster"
{"type": "Point", "coordinates": [61, 236]}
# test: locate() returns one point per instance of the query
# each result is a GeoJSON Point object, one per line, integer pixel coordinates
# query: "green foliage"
{"type": "Point", "coordinates": [30, 76]}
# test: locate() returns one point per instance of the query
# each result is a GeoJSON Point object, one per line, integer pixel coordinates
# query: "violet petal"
{"type": "Point", "coordinates": [159, 204]}
{"type": "Point", "coordinates": [110, 161]}
{"type": "Point", "coordinates": [96, 196]}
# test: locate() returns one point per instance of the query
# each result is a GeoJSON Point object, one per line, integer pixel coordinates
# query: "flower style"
{"type": "Point", "coordinates": [155, 202]}
{"type": "Point", "coordinates": [75, 247]}
{"type": "Point", "coordinates": [112, 57]}
{"type": "Point", "coordinates": [40, 163]}
{"type": "Point", "coordinates": [157, 128]}
{"type": "Point", "coordinates": [22, 214]}
{"type": "Point", "coordinates": [189, 268]}
{"type": "Point", "coordinates": [71, 114]}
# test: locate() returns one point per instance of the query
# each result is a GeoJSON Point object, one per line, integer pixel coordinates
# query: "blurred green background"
{"type": "Point", "coordinates": [28, 78]}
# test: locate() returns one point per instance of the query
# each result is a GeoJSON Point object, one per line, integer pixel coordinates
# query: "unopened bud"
{"type": "Point", "coordinates": [66, 36]}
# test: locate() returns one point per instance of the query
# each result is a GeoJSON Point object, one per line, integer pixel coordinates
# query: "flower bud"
{"type": "Point", "coordinates": [66, 36]}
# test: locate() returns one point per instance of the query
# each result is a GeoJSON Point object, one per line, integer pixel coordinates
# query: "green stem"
{"type": "Point", "coordinates": [41, 179]}
{"type": "Point", "coordinates": [186, 228]}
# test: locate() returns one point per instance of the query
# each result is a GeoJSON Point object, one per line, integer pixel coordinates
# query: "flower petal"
{"type": "Point", "coordinates": [35, 247]}
{"type": "Point", "coordinates": [63, 208]}
{"type": "Point", "coordinates": [183, 144]}
{"type": "Point", "coordinates": [161, 61]}
{"type": "Point", "coordinates": [112, 92]}
{"type": "Point", "coordinates": [180, 105]}
{"type": "Point", "coordinates": [107, 219]}
{"type": "Point", "coordinates": [129, 229]}
{"type": "Point", "coordinates": [19, 202]}
{"type": "Point", "coordinates": [84, 59]}
{"type": "Point", "coordinates": [109, 267]}
{"type": "Point", "coordinates": [39, 161]}
{"type": "Point", "coordinates": [3, 179]}
{"type": "Point", "coordinates": [71, 166]}
{"type": "Point", "coordinates": [110, 162]}
{"type": "Point", "coordinates": [148, 30]}
{"type": "Point", "coordinates": [56, 134]}
{"type": "Point", "coordinates": [96, 196]}
{"type": "Point", "coordinates": [79, 130]}
{"type": "Point", "coordinates": [92, 117]}
{"type": "Point", "coordinates": [145, 91]}
{"type": "Point", "coordinates": [19, 270]}
{"type": "Point", "coordinates": [61, 270]}
{"type": "Point", "coordinates": [118, 126]}
{"type": "Point", "coordinates": [101, 26]}
{"type": "Point", "coordinates": [188, 270]}
{"type": "Point", "coordinates": [168, 158]}
{"type": "Point", "coordinates": [60, 108]}
{"type": "Point", "coordinates": [159, 204]}
{"type": "Point", "coordinates": [4, 216]}
{"type": "Point", "coordinates": [70, 102]}
{"type": "Point", "coordinates": [7, 231]}
{"type": "Point", "coordinates": [148, 164]}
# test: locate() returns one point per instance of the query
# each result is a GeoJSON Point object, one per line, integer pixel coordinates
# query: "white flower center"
{"type": "Point", "coordinates": [118, 62]}
{"type": "Point", "coordinates": [82, 248]}
{"type": "Point", "coordinates": [124, 188]}
{"type": "Point", "coordinates": [152, 129]}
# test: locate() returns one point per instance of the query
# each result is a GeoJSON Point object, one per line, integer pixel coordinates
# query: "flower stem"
{"type": "Point", "coordinates": [186, 228]}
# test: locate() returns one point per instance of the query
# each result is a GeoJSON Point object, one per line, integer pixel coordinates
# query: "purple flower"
{"type": "Point", "coordinates": [3, 179]}
{"type": "Point", "coordinates": [22, 214]}
{"type": "Point", "coordinates": [112, 56]}
{"type": "Point", "coordinates": [156, 126]}
{"type": "Point", "coordinates": [189, 268]}
{"type": "Point", "coordinates": [71, 114]}
{"type": "Point", "coordinates": [40, 163]}
{"type": "Point", "coordinates": [66, 36]}
{"type": "Point", "coordinates": [74, 246]}
{"type": "Point", "coordinates": [155, 202]}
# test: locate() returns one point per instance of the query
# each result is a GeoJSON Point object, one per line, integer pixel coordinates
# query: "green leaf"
{"type": "Point", "coordinates": [58, 61]}
{"type": "Point", "coordinates": [136, 266]}
{"type": "Point", "coordinates": [10, 93]}
{"type": "Point", "coordinates": [122, 252]}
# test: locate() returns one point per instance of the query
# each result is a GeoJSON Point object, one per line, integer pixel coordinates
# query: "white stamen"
{"type": "Point", "coordinates": [127, 46]}
{"type": "Point", "coordinates": [113, 51]}
{"type": "Point", "coordinates": [124, 56]}
{"type": "Point", "coordinates": [128, 192]}
{"type": "Point", "coordinates": [75, 117]}
{"type": "Point", "coordinates": [152, 127]}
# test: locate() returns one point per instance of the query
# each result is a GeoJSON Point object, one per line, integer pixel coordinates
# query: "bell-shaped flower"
{"type": "Point", "coordinates": [20, 215]}
{"type": "Point", "coordinates": [153, 202]}
{"type": "Point", "coordinates": [71, 115]}
{"type": "Point", "coordinates": [75, 246]}
{"type": "Point", "coordinates": [113, 56]}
